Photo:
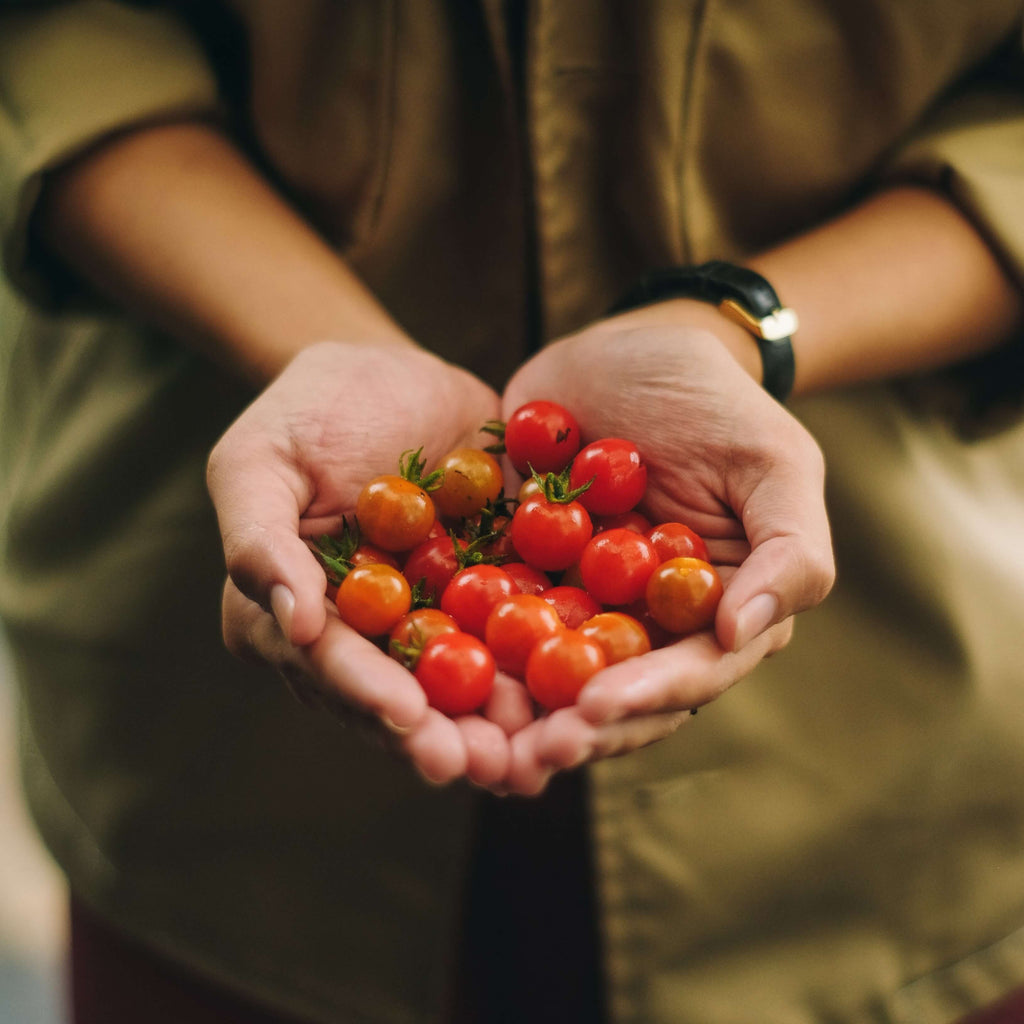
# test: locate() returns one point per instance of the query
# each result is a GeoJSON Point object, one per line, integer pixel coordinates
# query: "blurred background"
{"type": "Point", "coordinates": [32, 908]}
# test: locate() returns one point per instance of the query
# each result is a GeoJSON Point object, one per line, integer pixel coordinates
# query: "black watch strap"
{"type": "Point", "coordinates": [741, 294]}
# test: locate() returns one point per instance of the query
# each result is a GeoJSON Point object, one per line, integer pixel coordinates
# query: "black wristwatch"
{"type": "Point", "coordinates": [742, 295]}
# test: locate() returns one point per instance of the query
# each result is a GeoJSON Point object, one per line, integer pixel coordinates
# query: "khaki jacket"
{"type": "Point", "coordinates": [840, 837]}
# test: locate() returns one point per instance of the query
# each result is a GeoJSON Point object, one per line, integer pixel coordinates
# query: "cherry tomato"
{"type": "Point", "coordinates": [432, 564]}
{"type": "Point", "coordinates": [372, 598]}
{"type": "Point", "coordinates": [572, 576]}
{"type": "Point", "coordinates": [559, 666]}
{"type": "Point", "coordinates": [620, 635]}
{"type": "Point", "coordinates": [676, 540]}
{"type": "Point", "coordinates": [631, 520]}
{"type": "Point", "coordinates": [573, 604]}
{"type": "Point", "coordinates": [615, 566]}
{"type": "Point", "coordinates": [515, 626]}
{"type": "Point", "coordinates": [528, 489]}
{"type": "Point", "coordinates": [500, 545]}
{"type": "Point", "coordinates": [550, 535]}
{"type": "Point", "coordinates": [683, 594]}
{"type": "Point", "coordinates": [657, 634]}
{"type": "Point", "coordinates": [456, 672]}
{"type": "Point", "coordinates": [543, 436]}
{"type": "Point", "coordinates": [618, 473]}
{"type": "Point", "coordinates": [473, 592]}
{"type": "Point", "coordinates": [472, 478]}
{"type": "Point", "coordinates": [394, 513]}
{"type": "Point", "coordinates": [364, 554]}
{"type": "Point", "coordinates": [528, 579]}
{"type": "Point", "coordinates": [415, 630]}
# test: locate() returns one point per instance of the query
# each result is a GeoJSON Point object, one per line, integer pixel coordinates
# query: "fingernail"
{"type": "Point", "coordinates": [754, 618]}
{"type": "Point", "coordinates": [282, 603]}
{"type": "Point", "coordinates": [393, 726]}
{"type": "Point", "coordinates": [581, 756]}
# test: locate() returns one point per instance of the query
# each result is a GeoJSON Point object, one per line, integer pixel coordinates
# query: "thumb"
{"type": "Point", "coordinates": [258, 500]}
{"type": "Point", "coordinates": [790, 566]}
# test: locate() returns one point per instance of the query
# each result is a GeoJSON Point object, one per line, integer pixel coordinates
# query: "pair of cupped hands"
{"type": "Point", "coordinates": [722, 456]}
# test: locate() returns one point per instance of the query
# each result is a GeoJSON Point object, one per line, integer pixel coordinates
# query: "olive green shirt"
{"type": "Point", "coordinates": [840, 838]}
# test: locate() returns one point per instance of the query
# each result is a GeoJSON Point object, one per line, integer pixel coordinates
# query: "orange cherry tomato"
{"type": "Point", "coordinates": [415, 630]}
{"type": "Point", "coordinates": [683, 594]}
{"type": "Point", "coordinates": [472, 478]}
{"type": "Point", "coordinates": [620, 635]}
{"type": "Point", "coordinates": [372, 598]}
{"type": "Point", "coordinates": [559, 667]}
{"type": "Point", "coordinates": [394, 513]}
{"type": "Point", "coordinates": [515, 626]}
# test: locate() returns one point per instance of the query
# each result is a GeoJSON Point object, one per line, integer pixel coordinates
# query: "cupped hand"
{"type": "Point", "coordinates": [723, 457]}
{"type": "Point", "coordinates": [288, 469]}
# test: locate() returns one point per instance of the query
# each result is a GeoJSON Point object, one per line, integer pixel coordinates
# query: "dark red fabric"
{"type": "Point", "coordinates": [116, 981]}
{"type": "Point", "coordinates": [1007, 1011]}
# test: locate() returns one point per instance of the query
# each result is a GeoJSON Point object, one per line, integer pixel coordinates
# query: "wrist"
{"type": "Point", "coordinates": [741, 295]}
{"type": "Point", "coordinates": [692, 313]}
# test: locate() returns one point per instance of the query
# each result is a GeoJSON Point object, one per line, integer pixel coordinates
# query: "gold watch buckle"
{"type": "Point", "coordinates": [780, 323]}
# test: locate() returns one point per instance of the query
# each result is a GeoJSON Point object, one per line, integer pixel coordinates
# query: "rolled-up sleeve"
{"type": "Point", "coordinates": [971, 149]}
{"type": "Point", "coordinates": [70, 75]}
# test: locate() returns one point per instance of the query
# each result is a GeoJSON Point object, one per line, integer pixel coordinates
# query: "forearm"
{"type": "Point", "coordinates": [174, 223]}
{"type": "Point", "coordinates": [901, 284]}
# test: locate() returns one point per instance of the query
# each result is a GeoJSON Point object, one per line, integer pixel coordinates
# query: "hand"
{"type": "Point", "coordinates": [726, 459]}
{"type": "Point", "coordinates": [288, 469]}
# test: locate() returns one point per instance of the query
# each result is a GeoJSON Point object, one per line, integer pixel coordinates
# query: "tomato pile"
{"type": "Point", "coordinates": [457, 581]}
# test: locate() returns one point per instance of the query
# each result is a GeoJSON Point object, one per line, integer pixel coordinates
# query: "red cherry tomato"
{"type": "Point", "coordinates": [432, 564]}
{"type": "Point", "coordinates": [573, 604]}
{"type": "Point", "coordinates": [472, 478]}
{"type": "Point", "coordinates": [456, 671]}
{"type": "Point", "coordinates": [528, 579]}
{"type": "Point", "coordinates": [631, 520]}
{"type": "Point", "coordinates": [473, 592]}
{"type": "Point", "coordinates": [615, 566]}
{"type": "Point", "coordinates": [683, 594]}
{"type": "Point", "coordinates": [618, 472]}
{"type": "Point", "coordinates": [394, 513]}
{"type": "Point", "coordinates": [558, 668]}
{"type": "Point", "coordinates": [550, 535]}
{"type": "Point", "coordinates": [515, 626]}
{"type": "Point", "coordinates": [620, 635]}
{"type": "Point", "coordinates": [676, 540]}
{"type": "Point", "coordinates": [543, 436]}
{"type": "Point", "coordinates": [372, 598]}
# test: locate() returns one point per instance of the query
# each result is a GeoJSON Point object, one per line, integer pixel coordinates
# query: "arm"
{"type": "Point", "coordinates": [173, 223]}
{"type": "Point", "coordinates": [901, 284]}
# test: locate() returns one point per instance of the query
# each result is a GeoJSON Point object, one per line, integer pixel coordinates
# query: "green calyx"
{"type": "Point", "coordinates": [335, 553]}
{"type": "Point", "coordinates": [496, 428]}
{"type": "Point", "coordinates": [555, 486]}
{"type": "Point", "coordinates": [411, 465]}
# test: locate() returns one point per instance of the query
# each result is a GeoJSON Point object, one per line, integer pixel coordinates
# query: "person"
{"type": "Point", "coordinates": [310, 237]}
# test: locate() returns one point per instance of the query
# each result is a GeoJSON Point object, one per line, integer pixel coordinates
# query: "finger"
{"type": "Point", "coordinates": [487, 750]}
{"type": "Point", "coordinates": [345, 668]}
{"type": "Point", "coordinates": [258, 498]}
{"type": "Point", "coordinates": [350, 667]}
{"type": "Point", "coordinates": [528, 774]}
{"type": "Point", "coordinates": [436, 748]}
{"type": "Point", "coordinates": [568, 740]}
{"type": "Point", "coordinates": [683, 676]}
{"type": "Point", "coordinates": [509, 705]}
{"type": "Point", "coordinates": [790, 566]}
